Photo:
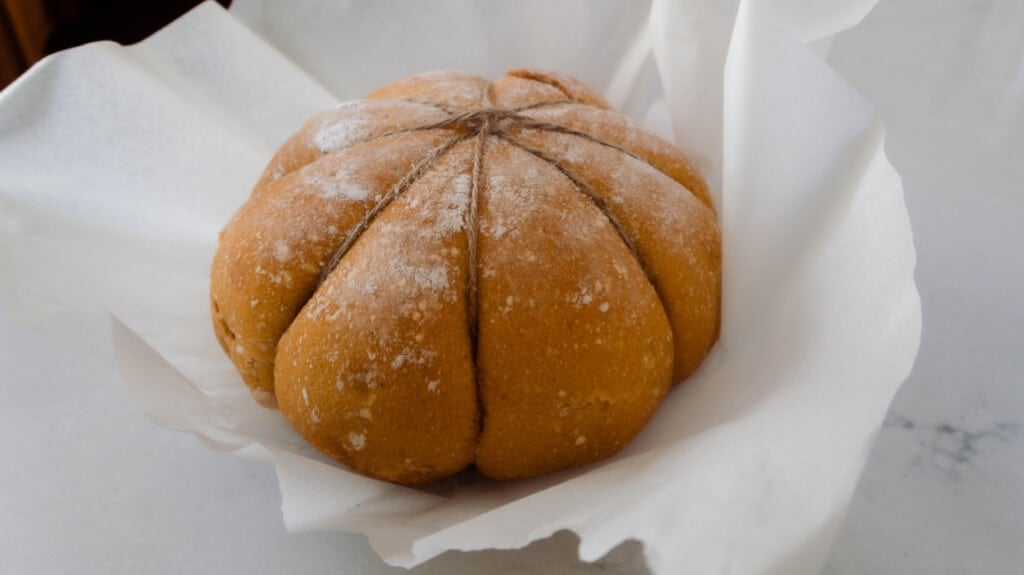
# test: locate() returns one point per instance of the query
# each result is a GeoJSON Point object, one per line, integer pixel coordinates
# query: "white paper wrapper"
{"type": "Point", "coordinates": [118, 166]}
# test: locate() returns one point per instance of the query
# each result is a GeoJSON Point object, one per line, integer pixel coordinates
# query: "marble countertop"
{"type": "Point", "coordinates": [943, 491]}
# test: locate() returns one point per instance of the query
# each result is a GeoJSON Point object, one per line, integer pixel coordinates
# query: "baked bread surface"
{"type": "Point", "coordinates": [454, 272]}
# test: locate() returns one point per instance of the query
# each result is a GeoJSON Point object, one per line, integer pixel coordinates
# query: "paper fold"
{"type": "Point", "coordinates": [118, 167]}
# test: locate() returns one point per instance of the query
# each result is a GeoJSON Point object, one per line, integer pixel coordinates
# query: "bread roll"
{"type": "Point", "coordinates": [455, 272]}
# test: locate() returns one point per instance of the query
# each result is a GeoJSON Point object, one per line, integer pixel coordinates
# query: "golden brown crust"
{"type": "Point", "coordinates": [575, 351]}
{"type": "Point", "coordinates": [453, 272]}
{"type": "Point", "coordinates": [453, 91]}
{"type": "Point", "coordinates": [513, 93]}
{"type": "Point", "coordinates": [654, 211]}
{"type": "Point", "coordinates": [377, 370]}
{"type": "Point", "coordinates": [572, 88]}
{"type": "Point", "coordinates": [273, 250]}
{"type": "Point", "coordinates": [347, 124]}
{"type": "Point", "coordinates": [618, 130]}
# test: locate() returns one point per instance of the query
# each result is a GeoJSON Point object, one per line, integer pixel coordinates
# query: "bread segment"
{"type": "Point", "coordinates": [377, 369]}
{"type": "Point", "coordinates": [513, 92]}
{"type": "Point", "coordinates": [572, 88]}
{"type": "Point", "coordinates": [675, 234]}
{"type": "Point", "coordinates": [271, 254]}
{"type": "Point", "coordinates": [453, 91]}
{"type": "Point", "coordinates": [619, 131]}
{"type": "Point", "coordinates": [574, 351]}
{"type": "Point", "coordinates": [347, 124]}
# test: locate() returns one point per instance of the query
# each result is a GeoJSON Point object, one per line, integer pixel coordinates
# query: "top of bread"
{"type": "Point", "coordinates": [454, 271]}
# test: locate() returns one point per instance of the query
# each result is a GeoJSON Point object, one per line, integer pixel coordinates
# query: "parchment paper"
{"type": "Point", "coordinates": [119, 165]}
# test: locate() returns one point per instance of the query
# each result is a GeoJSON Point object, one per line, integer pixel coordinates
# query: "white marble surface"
{"type": "Point", "coordinates": [944, 488]}
{"type": "Point", "coordinates": [943, 491]}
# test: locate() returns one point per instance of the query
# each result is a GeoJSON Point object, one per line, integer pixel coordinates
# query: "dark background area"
{"type": "Point", "coordinates": [31, 29]}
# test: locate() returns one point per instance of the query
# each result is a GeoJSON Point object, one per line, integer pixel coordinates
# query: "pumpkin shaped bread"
{"type": "Point", "coordinates": [454, 272]}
